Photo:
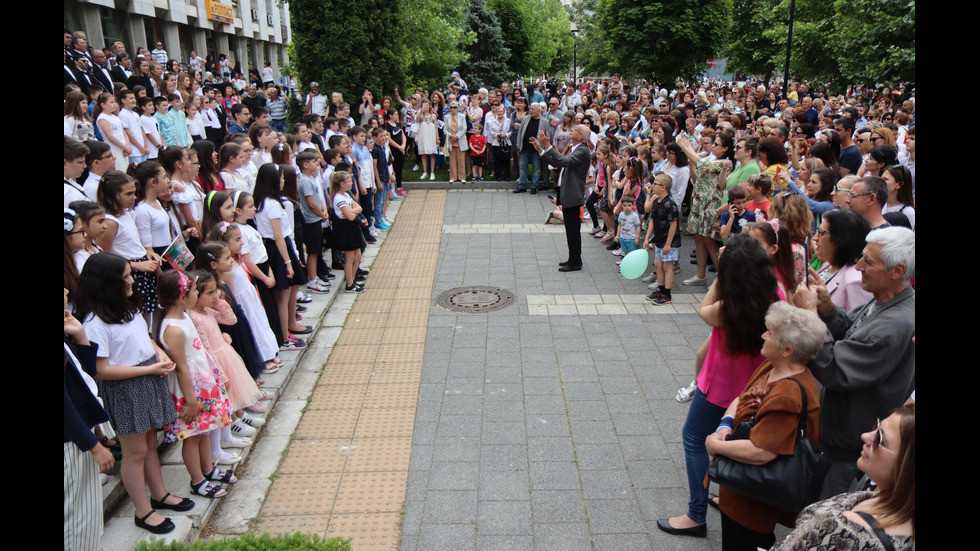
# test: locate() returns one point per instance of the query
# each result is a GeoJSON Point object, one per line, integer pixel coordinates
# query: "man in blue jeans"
{"type": "Point", "coordinates": [529, 155]}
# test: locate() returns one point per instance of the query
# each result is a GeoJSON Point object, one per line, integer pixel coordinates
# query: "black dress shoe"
{"type": "Point", "coordinates": [570, 268]}
{"type": "Point", "coordinates": [520, 190]}
{"type": "Point", "coordinates": [185, 504]}
{"type": "Point", "coordinates": [563, 263]}
{"type": "Point", "coordinates": [164, 527]}
{"type": "Point", "coordinates": [700, 531]}
{"type": "Point", "coordinates": [534, 191]}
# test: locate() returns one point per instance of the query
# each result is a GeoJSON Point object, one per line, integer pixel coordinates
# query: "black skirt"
{"type": "Point", "coordinates": [346, 234]}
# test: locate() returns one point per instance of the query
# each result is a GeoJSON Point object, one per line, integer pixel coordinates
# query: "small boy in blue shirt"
{"type": "Point", "coordinates": [737, 216]}
{"type": "Point", "coordinates": [629, 222]}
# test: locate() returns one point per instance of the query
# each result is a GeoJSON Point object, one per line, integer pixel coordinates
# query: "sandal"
{"type": "Point", "coordinates": [221, 475]}
{"type": "Point", "coordinates": [206, 489]}
{"type": "Point", "coordinates": [164, 527]}
{"type": "Point", "coordinates": [184, 505]}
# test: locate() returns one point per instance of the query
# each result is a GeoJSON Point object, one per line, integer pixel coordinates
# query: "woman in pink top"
{"type": "Point", "coordinates": [735, 307]}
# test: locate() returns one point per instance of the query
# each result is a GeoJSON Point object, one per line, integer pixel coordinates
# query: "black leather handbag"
{"type": "Point", "coordinates": [788, 483]}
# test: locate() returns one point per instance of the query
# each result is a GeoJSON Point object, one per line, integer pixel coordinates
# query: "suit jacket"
{"type": "Point", "coordinates": [460, 131]}
{"type": "Point", "coordinates": [542, 125]}
{"type": "Point", "coordinates": [118, 74]}
{"type": "Point", "coordinates": [101, 78]}
{"type": "Point", "coordinates": [575, 167]}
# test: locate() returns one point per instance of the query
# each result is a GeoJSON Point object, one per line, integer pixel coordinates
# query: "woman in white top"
{"type": "Point", "coordinates": [117, 195]}
{"type": "Point", "coordinates": [899, 180]}
{"type": "Point", "coordinates": [230, 159]}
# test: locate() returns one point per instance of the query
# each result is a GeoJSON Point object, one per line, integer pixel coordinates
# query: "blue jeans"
{"type": "Point", "coordinates": [529, 156]}
{"type": "Point", "coordinates": [379, 207]}
{"type": "Point", "coordinates": [278, 126]}
{"type": "Point", "coordinates": [702, 419]}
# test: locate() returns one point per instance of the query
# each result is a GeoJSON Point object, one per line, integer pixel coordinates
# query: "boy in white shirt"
{"type": "Point", "coordinates": [132, 126]}
{"type": "Point", "coordinates": [151, 128]}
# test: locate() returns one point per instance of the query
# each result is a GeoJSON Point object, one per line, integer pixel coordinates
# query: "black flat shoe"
{"type": "Point", "coordinates": [700, 531]}
{"type": "Point", "coordinates": [305, 331]}
{"type": "Point", "coordinates": [186, 504]}
{"type": "Point", "coordinates": [570, 268]}
{"type": "Point", "coordinates": [712, 502]}
{"type": "Point", "coordinates": [534, 191]}
{"type": "Point", "coordinates": [564, 263]}
{"type": "Point", "coordinates": [163, 528]}
{"type": "Point", "coordinates": [520, 190]}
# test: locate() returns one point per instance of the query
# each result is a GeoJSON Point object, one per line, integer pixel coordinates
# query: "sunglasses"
{"type": "Point", "coordinates": [879, 436]}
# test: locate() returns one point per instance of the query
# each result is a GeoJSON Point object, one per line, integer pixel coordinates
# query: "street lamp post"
{"type": "Point", "coordinates": [574, 31]}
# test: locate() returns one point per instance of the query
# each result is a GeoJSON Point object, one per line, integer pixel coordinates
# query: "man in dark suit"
{"type": "Point", "coordinates": [100, 71]}
{"type": "Point", "coordinates": [572, 172]}
{"type": "Point", "coordinates": [121, 72]}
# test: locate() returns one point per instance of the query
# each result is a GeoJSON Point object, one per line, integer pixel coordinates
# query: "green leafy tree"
{"type": "Point", "coordinates": [433, 35]}
{"type": "Point", "coordinates": [878, 37]}
{"type": "Point", "coordinates": [551, 45]}
{"type": "Point", "coordinates": [517, 25]}
{"type": "Point", "coordinates": [487, 55]}
{"type": "Point", "coordinates": [348, 46]}
{"type": "Point", "coordinates": [750, 50]}
{"type": "Point", "coordinates": [666, 40]}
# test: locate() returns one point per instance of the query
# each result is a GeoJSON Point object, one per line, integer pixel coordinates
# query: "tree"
{"type": "Point", "coordinates": [487, 54]}
{"type": "Point", "coordinates": [750, 50]}
{"type": "Point", "coordinates": [433, 35]}
{"type": "Point", "coordinates": [551, 44]}
{"type": "Point", "coordinates": [348, 46]}
{"type": "Point", "coordinates": [517, 26]}
{"type": "Point", "coordinates": [666, 40]}
{"type": "Point", "coordinates": [879, 38]}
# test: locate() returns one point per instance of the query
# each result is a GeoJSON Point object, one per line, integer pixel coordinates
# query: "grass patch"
{"type": "Point", "coordinates": [265, 542]}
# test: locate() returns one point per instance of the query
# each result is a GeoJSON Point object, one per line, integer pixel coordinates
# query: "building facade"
{"type": "Point", "coordinates": [250, 32]}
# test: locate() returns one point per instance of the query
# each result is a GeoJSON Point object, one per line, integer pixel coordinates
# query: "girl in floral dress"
{"type": "Point", "coordinates": [200, 399]}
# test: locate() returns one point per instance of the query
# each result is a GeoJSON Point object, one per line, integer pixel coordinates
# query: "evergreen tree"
{"type": "Point", "coordinates": [488, 56]}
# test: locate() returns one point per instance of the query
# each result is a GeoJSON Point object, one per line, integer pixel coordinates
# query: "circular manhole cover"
{"type": "Point", "coordinates": [475, 299]}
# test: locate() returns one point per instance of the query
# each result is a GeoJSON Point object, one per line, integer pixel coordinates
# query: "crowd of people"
{"type": "Point", "coordinates": [802, 203]}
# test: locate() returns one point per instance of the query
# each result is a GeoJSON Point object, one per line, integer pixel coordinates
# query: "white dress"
{"type": "Point", "coordinates": [426, 139]}
{"type": "Point", "coordinates": [258, 322]}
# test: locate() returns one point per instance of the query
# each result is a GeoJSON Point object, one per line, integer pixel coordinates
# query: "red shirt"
{"type": "Point", "coordinates": [478, 143]}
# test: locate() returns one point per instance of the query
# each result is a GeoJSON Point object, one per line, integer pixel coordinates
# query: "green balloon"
{"type": "Point", "coordinates": [634, 264]}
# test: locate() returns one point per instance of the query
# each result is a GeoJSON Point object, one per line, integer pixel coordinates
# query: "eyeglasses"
{"type": "Point", "coordinates": [852, 195]}
{"type": "Point", "coordinates": [876, 442]}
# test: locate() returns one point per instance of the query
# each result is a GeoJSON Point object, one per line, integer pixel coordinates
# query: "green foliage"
{"type": "Point", "coordinates": [552, 51]}
{"type": "Point", "coordinates": [487, 55]}
{"type": "Point", "coordinates": [751, 50]}
{"type": "Point", "coordinates": [517, 27]}
{"type": "Point", "coordinates": [295, 110]}
{"type": "Point", "coordinates": [663, 41]}
{"type": "Point", "coordinates": [347, 46]}
{"type": "Point", "coordinates": [879, 38]}
{"type": "Point", "coordinates": [249, 542]}
{"type": "Point", "coordinates": [433, 35]}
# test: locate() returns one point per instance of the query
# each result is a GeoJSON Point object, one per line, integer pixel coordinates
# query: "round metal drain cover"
{"type": "Point", "coordinates": [475, 299]}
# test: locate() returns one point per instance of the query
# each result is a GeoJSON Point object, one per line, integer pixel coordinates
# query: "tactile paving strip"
{"type": "Point", "coordinates": [395, 395]}
{"type": "Point", "coordinates": [379, 454]}
{"type": "Point", "coordinates": [301, 494]}
{"type": "Point", "coordinates": [381, 531]}
{"type": "Point", "coordinates": [338, 397]}
{"type": "Point", "coordinates": [401, 353]}
{"type": "Point", "coordinates": [345, 474]}
{"type": "Point", "coordinates": [382, 423]}
{"type": "Point", "coordinates": [328, 423]}
{"type": "Point", "coordinates": [316, 456]}
{"type": "Point", "coordinates": [381, 492]}
{"type": "Point", "coordinates": [291, 524]}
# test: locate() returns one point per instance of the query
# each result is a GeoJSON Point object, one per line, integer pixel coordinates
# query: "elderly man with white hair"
{"type": "Point", "coordinates": [867, 362]}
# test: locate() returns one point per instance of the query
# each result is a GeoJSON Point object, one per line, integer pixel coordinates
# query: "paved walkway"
{"type": "Point", "coordinates": [548, 424]}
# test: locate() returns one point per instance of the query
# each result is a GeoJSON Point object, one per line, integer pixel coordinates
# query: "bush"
{"type": "Point", "coordinates": [249, 542]}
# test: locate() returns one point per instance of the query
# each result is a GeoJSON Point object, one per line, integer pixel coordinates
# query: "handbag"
{"type": "Point", "coordinates": [788, 483]}
{"type": "Point", "coordinates": [505, 146]}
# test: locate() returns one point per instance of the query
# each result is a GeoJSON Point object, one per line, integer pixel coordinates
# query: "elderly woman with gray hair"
{"type": "Point", "coordinates": [772, 400]}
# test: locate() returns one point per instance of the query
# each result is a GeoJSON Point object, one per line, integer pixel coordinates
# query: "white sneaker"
{"type": "Point", "coordinates": [241, 430]}
{"type": "Point", "coordinates": [695, 280]}
{"type": "Point", "coordinates": [415, 168]}
{"type": "Point", "coordinates": [388, 221]}
{"type": "Point", "coordinates": [251, 421]}
{"type": "Point", "coordinates": [653, 285]}
{"type": "Point", "coordinates": [432, 176]}
{"type": "Point", "coordinates": [226, 458]}
{"type": "Point", "coordinates": [686, 394]}
{"type": "Point", "coordinates": [650, 278]}
{"type": "Point", "coordinates": [424, 174]}
{"type": "Point", "coordinates": [236, 443]}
